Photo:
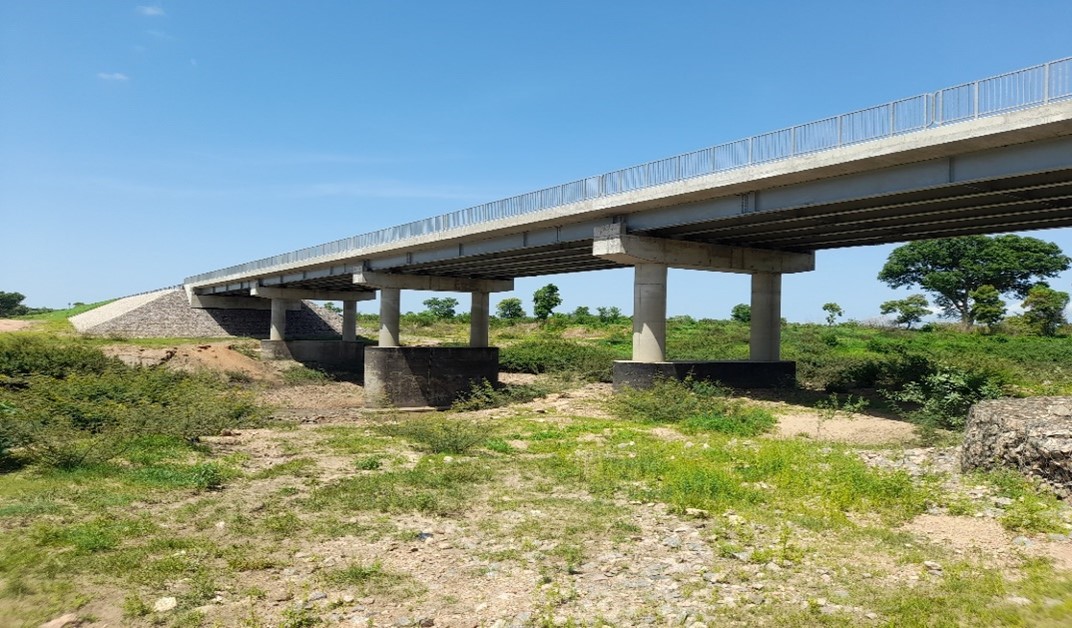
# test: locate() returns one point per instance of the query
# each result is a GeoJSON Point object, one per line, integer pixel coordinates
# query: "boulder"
{"type": "Point", "coordinates": [1033, 436]}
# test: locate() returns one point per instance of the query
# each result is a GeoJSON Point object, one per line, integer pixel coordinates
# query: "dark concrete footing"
{"type": "Point", "coordinates": [347, 356]}
{"type": "Point", "coordinates": [409, 377]}
{"type": "Point", "coordinates": [735, 374]}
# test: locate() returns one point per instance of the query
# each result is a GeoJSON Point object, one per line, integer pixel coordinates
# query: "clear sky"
{"type": "Point", "coordinates": [142, 142]}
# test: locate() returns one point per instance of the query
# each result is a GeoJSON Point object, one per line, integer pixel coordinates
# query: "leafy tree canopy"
{"type": "Point", "coordinates": [11, 304]}
{"type": "Point", "coordinates": [742, 313]}
{"type": "Point", "coordinates": [952, 268]}
{"type": "Point", "coordinates": [1044, 309]}
{"type": "Point", "coordinates": [987, 306]}
{"type": "Point", "coordinates": [833, 311]}
{"type": "Point", "coordinates": [441, 307]}
{"type": "Point", "coordinates": [510, 309]}
{"type": "Point", "coordinates": [545, 300]}
{"type": "Point", "coordinates": [909, 310]}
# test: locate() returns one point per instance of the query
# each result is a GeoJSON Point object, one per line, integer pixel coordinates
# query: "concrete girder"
{"type": "Point", "coordinates": [311, 295]}
{"type": "Point", "coordinates": [431, 282]}
{"type": "Point", "coordinates": [611, 242]}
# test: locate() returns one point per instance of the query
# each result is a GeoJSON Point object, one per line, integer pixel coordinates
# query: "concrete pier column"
{"type": "Point", "coordinates": [766, 331]}
{"type": "Point", "coordinates": [278, 329]}
{"type": "Point", "coordinates": [649, 313]}
{"type": "Point", "coordinates": [349, 321]}
{"type": "Point", "coordinates": [389, 313]}
{"type": "Point", "coordinates": [479, 322]}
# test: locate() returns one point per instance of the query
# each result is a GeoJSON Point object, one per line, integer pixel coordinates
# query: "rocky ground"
{"type": "Point", "coordinates": [529, 549]}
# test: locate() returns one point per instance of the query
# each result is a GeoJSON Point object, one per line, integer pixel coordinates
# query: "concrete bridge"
{"type": "Point", "coordinates": [990, 156]}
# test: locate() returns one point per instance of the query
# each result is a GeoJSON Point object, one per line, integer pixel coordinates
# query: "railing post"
{"type": "Point", "coordinates": [975, 99]}
{"type": "Point", "coordinates": [1046, 83]}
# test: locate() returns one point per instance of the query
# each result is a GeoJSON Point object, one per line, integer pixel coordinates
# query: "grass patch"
{"type": "Point", "coordinates": [303, 375]}
{"type": "Point", "coordinates": [299, 467]}
{"type": "Point", "coordinates": [695, 405]}
{"type": "Point", "coordinates": [432, 487]}
{"type": "Point", "coordinates": [438, 434]}
{"type": "Point", "coordinates": [370, 579]}
{"type": "Point", "coordinates": [484, 395]}
{"type": "Point", "coordinates": [1033, 509]}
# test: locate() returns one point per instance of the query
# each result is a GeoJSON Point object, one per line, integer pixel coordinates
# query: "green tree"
{"type": "Point", "coordinates": [833, 312]}
{"type": "Point", "coordinates": [545, 300]}
{"type": "Point", "coordinates": [909, 310]}
{"type": "Point", "coordinates": [742, 313]}
{"type": "Point", "coordinates": [952, 268]}
{"type": "Point", "coordinates": [441, 308]}
{"type": "Point", "coordinates": [1044, 309]}
{"type": "Point", "coordinates": [11, 304]}
{"type": "Point", "coordinates": [611, 314]}
{"type": "Point", "coordinates": [510, 309]}
{"type": "Point", "coordinates": [987, 307]}
{"type": "Point", "coordinates": [582, 315]}
{"type": "Point", "coordinates": [332, 307]}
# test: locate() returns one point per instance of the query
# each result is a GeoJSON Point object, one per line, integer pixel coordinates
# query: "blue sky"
{"type": "Point", "coordinates": [144, 142]}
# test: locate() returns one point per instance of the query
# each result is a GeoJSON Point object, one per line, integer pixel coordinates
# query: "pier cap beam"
{"type": "Point", "coordinates": [209, 302]}
{"type": "Point", "coordinates": [613, 243]}
{"type": "Point", "coordinates": [431, 282]}
{"type": "Point", "coordinates": [312, 295]}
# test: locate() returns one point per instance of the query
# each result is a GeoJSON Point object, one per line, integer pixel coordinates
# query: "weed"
{"type": "Point", "coordinates": [944, 396]}
{"type": "Point", "coordinates": [555, 355]}
{"type": "Point", "coordinates": [369, 463]}
{"type": "Point", "coordinates": [431, 487]}
{"type": "Point", "coordinates": [303, 375]}
{"type": "Point", "coordinates": [299, 617]}
{"type": "Point", "coordinates": [499, 445]}
{"type": "Point", "coordinates": [437, 434]}
{"type": "Point", "coordinates": [695, 405]}
{"type": "Point", "coordinates": [483, 395]}
{"type": "Point", "coordinates": [832, 406]}
{"type": "Point", "coordinates": [1032, 509]}
{"type": "Point", "coordinates": [134, 607]}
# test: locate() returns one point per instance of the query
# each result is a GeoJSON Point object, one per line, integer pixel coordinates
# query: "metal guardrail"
{"type": "Point", "coordinates": [1021, 89]}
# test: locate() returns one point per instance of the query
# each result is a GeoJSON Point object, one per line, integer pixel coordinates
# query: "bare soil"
{"type": "Point", "coordinates": [7, 324]}
{"type": "Point", "coordinates": [499, 562]}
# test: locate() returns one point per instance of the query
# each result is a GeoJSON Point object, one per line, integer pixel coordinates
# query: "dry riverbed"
{"type": "Point", "coordinates": [552, 513]}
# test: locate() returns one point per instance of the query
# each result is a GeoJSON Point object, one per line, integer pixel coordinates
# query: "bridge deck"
{"type": "Point", "coordinates": [999, 173]}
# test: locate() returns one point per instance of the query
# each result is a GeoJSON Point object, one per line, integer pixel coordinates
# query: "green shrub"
{"type": "Point", "coordinates": [555, 355]}
{"type": "Point", "coordinates": [483, 395]}
{"type": "Point", "coordinates": [944, 396]}
{"type": "Point", "coordinates": [695, 405]}
{"type": "Point", "coordinates": [300, 375]}
{"type": "Point", "coordinates": [30, 354]}
{"type": "Point", "coordinates": [87, 418]}
{"type": "Point", "coordinates": [438, 435]}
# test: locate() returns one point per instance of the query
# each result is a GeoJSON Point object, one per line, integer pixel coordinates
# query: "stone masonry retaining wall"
{"type": "Point", "coordinates": [170, 316]}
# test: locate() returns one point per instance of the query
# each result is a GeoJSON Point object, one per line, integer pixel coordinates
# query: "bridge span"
{"type": "Point", "coordinates": [989, 156]}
